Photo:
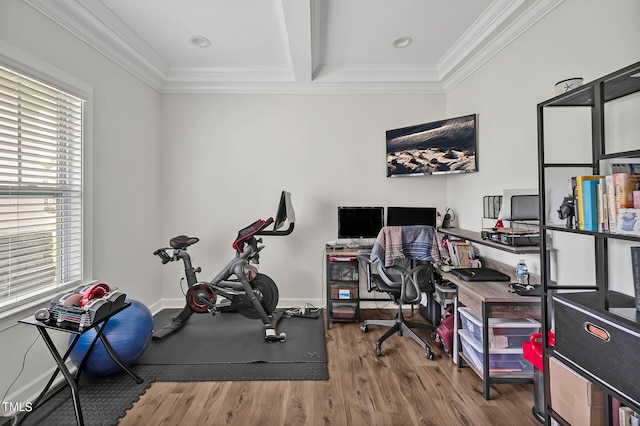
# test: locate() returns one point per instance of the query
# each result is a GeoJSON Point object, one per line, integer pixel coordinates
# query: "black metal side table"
{"type": "Point", "coordinates": [71, 379]}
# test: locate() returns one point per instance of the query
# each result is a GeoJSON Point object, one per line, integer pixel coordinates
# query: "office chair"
{"type": "Point", "coordinates": [403, 286]}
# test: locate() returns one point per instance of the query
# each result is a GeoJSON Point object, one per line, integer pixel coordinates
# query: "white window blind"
{"type": "Point", "coordinates": [40, 188]}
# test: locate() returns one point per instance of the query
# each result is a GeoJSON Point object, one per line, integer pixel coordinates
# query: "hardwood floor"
{"type": "Point", "coordinates": [400, 388]}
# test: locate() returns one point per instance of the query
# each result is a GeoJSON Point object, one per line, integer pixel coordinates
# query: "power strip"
{"type": "Point", "coordinates": [307, 313]}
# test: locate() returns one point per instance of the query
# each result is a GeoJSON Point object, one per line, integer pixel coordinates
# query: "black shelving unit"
{"type": "Point", "coordinates": [597, 301]}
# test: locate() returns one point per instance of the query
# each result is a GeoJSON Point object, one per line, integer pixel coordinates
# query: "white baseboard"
{"type": "Point", "coordinates": [378, 304]}
{"type": "Point", "coordinates": [178, 303]}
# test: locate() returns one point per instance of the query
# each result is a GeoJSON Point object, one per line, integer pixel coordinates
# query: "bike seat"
{"type": "Point", "coordinates": [182, 241]}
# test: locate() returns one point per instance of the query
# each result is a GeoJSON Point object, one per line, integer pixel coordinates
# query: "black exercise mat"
{"type": "Point", "coordinates": [103, 400]}
{"type": "Point", "coordinates": [229, 346]}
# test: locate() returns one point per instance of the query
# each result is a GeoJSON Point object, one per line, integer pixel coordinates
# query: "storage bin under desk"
{"type": "Point", "coordinates": [503, 332]}
{"type": "Point", "coordinates": [344, 310]}
{"type": "Point", "coordinates": [501, 361]}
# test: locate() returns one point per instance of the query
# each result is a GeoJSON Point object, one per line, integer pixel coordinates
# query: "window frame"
{"type": "Point", "coordinates": [30, 66]}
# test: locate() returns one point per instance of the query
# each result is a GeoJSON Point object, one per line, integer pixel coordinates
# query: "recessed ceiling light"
{"type": "Point", "coordinates": [401, 42]}
{"type": "Point", "coordinates": [200, 41]}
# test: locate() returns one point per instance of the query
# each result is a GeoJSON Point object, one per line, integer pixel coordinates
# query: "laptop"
{"type": "Point", "coordinates": [480, 274]}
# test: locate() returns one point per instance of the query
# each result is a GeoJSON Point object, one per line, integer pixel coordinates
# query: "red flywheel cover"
{"type": "Point", "coordinates": [196, 292]}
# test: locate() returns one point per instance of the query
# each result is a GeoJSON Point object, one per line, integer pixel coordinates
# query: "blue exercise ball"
{"type": "Point", "coordinates": [128, 332]}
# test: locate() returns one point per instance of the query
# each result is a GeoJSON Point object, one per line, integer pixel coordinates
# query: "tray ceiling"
{"type": "Point", "coordinates": [298, 46]}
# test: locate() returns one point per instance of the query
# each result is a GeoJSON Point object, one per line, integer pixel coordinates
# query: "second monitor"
{"type": "Point", "coordinates": [404, 216]}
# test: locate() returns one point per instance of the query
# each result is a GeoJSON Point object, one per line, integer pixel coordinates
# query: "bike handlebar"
{"type": "Point", "coordinates": [285, 232]}
{"type": "Point", "coordinates": [162, 254]}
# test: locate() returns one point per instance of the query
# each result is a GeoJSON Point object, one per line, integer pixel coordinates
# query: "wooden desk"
{"type": "Point", "coordinates": [493, 300]}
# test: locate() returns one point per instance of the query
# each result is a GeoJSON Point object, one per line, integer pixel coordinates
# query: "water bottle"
{"type": "Point", "coordinates": [522, 273]}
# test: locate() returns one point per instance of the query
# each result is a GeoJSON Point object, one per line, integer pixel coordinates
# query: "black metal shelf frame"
{"type": "Point", "coordinates": [593, 95]}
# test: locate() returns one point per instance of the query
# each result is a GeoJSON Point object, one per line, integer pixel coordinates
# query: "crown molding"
{"type": "Point", "coordinates": [491, 33]}
{"type": "Point", "coordinates": [95, 24]}
{"type": "Point", "coordinates": [328, 80]}
{"type": "Point", "coordinates": [377, 73]}
{"type": "Point", "coordinates": [230, 74]}
{"type": "Point", "coordinates": [208, 87]}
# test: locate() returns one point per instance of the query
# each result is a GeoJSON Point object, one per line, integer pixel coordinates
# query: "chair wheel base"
{"type": "Point", "coordinates": [379, 351]}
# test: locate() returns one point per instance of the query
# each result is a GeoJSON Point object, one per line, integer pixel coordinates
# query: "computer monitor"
{"type": "Point", "coordinates": [404, 216]}
{"type": "Point", "coordinates": [360, 222]}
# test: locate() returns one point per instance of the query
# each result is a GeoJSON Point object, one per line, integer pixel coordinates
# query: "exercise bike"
{"type": "Point", "coordinates": [252, 294]}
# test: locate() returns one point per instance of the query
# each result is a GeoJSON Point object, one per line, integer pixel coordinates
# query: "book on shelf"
{"type": "Point", "coordinates": [611, 202]}
{"type": "Point", "coordinates": [635, 264]}
{"type": "Point", "coordinates": [580, 204]}
{"type": "Point", "coordinates": [574, 194]}
{"type": "Point", "coordinates": [466, 256]}
{"type": "Point", "coordinates": [590, 205]}
{"type": "Point", "coordinates": [461, 253]}
{"type": "Point", "coordinates": [624, 184]}
{"type": "Point", "coordinates": [606, 203]}
{"type": "Point", "coordinates": [628, 417]}
{"type": "Point", "coordinates": [603, 210]}
{"type": "Point", "coordinates": [615, 408]}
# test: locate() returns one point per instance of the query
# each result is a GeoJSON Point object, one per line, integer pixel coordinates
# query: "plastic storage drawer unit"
{"type": "Point", "coordinates": [344, 291]}
{"type": "Point", "coordinates": [501, 361]}
{"type": "Point", "coordinates": [341, 310]}
{"type": "Point", "coordinates": [445, 294]}
{"type": "Point", "coordinates": [503, 332]}
{"type": "Point", "coordinates": [341, 271]}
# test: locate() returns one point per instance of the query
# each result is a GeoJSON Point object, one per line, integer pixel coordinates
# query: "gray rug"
{"type": "Point", "coordinates": [229, 346]}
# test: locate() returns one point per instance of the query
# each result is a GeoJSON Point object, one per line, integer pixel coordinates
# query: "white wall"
{"type": "Point", "coordinates": [225, 159]}
{"type": "Point", "coordinates": [208, 165]}
{"type": "Point", "coordinates": [580, 38]}
{"type": "Point", "coordinates": [125, 190]}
